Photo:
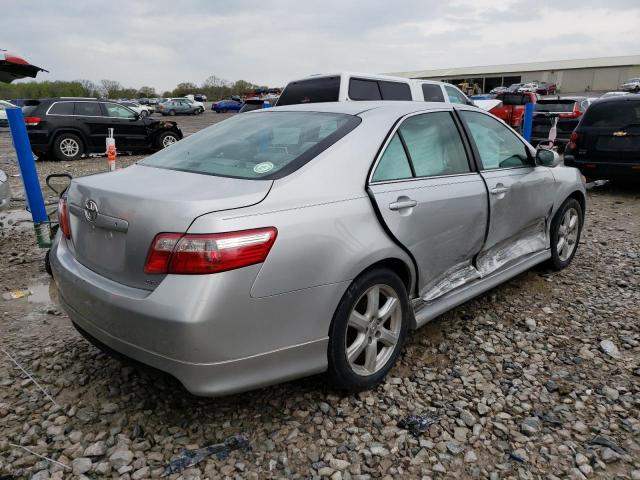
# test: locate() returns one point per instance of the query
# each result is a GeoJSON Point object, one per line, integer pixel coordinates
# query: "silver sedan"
{"type": "Point", "coordinates": [304, 239]}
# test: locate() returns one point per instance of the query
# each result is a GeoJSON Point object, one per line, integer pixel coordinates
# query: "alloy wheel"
{"type": "Point", "coordinates": [568, 234]}
{"type": "Point", "coordinates": [168, 140]}
{"type": "Point", "coordinates": [373, 330]}
{"type": "Point", "coordinates": [69, 147]}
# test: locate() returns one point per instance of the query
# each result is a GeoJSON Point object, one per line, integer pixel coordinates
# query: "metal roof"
{"type": "Point", "coordinates": [598, 62]}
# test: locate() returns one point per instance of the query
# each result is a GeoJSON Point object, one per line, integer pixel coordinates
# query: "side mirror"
{"type": "Point", "coordinates": [547, 158]}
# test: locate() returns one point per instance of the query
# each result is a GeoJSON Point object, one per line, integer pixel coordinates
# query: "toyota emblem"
{"type": "Point", "coordinates": [90, 210]}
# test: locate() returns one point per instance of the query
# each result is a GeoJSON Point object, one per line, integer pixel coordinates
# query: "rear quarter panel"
{"type": "Point", "coordinates": [328, 231]}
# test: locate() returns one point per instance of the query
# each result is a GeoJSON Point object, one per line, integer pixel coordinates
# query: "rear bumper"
{"type": "Point", "coordinates": [206, 331]}
{"type": "Point", "coordinates": [606, 170]}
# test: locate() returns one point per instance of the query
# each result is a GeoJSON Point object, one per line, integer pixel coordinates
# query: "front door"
{"type": "Point", "coordinates": [432, 201]}
{"type": "Point", "coordinates": [520, 193]}
{"type": "Point", "coordinates": [129, 129]}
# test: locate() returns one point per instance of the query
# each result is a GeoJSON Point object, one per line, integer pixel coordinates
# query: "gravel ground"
{"type": "Point", "coordinates": [539, 378]}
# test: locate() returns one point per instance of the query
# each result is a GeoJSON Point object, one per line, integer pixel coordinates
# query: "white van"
{"type": "Point", "coordinates": [346, 86]}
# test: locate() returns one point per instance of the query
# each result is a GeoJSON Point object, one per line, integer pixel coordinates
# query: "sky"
{"type": "Point", "coordinates": [160, 43]}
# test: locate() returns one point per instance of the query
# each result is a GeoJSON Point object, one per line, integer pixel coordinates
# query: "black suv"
{"type": "Point", "coordinates": [67, 128]}
{"type": "Point", "coordinates": [567, 111]}
{"type": "Point", "coordinates": [606, 142]}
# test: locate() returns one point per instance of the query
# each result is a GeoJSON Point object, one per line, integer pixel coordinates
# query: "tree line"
{"type": "Point", "coordinates": [213, 87]}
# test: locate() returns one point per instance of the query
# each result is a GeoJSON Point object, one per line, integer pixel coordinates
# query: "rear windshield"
{"type": "Point", "coordinates": [268, 144]}
{"type": "Point", "coordinates": [314, 90]}
{"type": "Point", "coordinates": [29, 107]}
{"type": "Point", "coordinates": [559, 106]}
{"type": "Point", "coordinates": [514, 99]}
{"type": "Point", "coordinates": [612, 114]}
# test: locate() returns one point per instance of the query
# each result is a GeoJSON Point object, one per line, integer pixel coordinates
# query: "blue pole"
{"type": "Point", "coordinates": [527, 120]}
{"type": "Point", "coordinates": [35, 201]}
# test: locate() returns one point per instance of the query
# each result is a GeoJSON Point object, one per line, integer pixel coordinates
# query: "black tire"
{"type": "Point", "coordinates": [160, 140]}
{"type": "Point", "coordinates": [172, 113]}
{"type": "Point", "coordinates": [60, 140]}
{"type": "Point", "coordinates": [557, 262]}
{"type": "Point", "coordinates": [340, 372]}
{"type": "Point", "coordinates": [144, 113]}
{"type": "Point", "coordinates": [47, 262]}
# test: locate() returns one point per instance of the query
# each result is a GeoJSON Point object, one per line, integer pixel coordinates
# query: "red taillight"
{"type": "Point", "coordinates": [208, 253]}
{"type": "Point", "coordinates": [63, 217]}
{"type": "Point", "coordinates": [573, 141]}
{"type": "Point", "coordinates": [575, 113]}
{"type": "Point", "coordinates": [32, 121]}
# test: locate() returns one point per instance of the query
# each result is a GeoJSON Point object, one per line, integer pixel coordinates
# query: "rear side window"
{"type": "Point", "coordinates": [394, 91]}
{"type": "Point", "coordinates": [434, 145]}
{"type": "Point", "coordinates": [88, 109]}
{"type": "Point", "coordinates": [61, 108]}
{"type": "Point", "coordinates": [612, 114]}
{"type": "Point", "coordinates": [267, 144]}
{"type": "Point", "coordinates": [315, 90]}
{"type": "Point", "coordinates": [432, 93]}
{"type": "Point", "coordinates": [360, 89]}
{"type": "Point", "coordinates": [515, 99]}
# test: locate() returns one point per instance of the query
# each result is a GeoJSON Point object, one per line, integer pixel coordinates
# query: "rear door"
{"type": "Point", "coordinates": [520, 193]}
{"type": "Point", "coordinates": [431, 200]}
{"type": "Point", "coordinates": [90, 118]}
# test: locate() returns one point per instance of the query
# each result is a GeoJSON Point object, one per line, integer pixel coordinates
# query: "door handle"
{"type": "Point", "coordinates": [499, 190]}
{"type": "Point", "coordinates": [400, 204]}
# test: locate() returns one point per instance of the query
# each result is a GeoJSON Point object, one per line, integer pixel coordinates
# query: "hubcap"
{"type": "Point", "coordinates": [168, 140]}
{"type": "Point", "coordinates": [373, 330]}
{"type": "Point", "coordinates": [568, 234]}
{"type": "Point", "coordinates": [69, 147]}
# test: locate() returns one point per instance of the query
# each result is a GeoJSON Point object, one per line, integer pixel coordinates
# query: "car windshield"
{"type": "Point", "coordinates": [559, 106]}
{"type": "Point", "coordinates": [314, 90]}
{"type": "Point", "coordinates": [259, 145]}
{"type": "Point", "coordinates": [612, 114]}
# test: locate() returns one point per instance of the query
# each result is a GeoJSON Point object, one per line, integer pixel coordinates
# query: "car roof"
{"type": "Point", "coordinates": [620, 98]}
{"type": "Point", "coordinates": [353, 74]}
{"type": "Point", "coordinates": [355, 108]}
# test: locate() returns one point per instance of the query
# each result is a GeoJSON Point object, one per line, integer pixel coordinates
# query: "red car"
{"type": "Point", "coordinates": [545, 88]}
{"type": "Point", "coordinates": [511, 110]}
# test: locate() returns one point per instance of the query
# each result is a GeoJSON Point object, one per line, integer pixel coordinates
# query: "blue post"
{"type": "Point", "coordinates": [35, 201]}
{"type": "Point", "coordinates": [527, 120]}
{"type": "Point", "coordinates": [266, 104]}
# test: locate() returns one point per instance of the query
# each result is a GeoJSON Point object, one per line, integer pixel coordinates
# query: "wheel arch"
{"type": "Point", "coordinates": [397, 266]}
{"type": "Point", "coordinates": [579, 196]}
{"type": "Point", "coordinates": [60, 131]}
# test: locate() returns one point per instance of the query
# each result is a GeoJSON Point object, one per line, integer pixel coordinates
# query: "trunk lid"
{"type": "Point", "coordinates": [114, 217]}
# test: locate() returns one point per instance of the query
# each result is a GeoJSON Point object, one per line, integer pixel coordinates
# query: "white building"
{"type": "Point", "coordinates": [571, 76]}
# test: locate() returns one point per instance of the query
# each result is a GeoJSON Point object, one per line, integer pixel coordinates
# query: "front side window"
{"type": "Point", "coordinates": [455, 96]}
{"type": "Point", "coordinates": [394, 163]}
{"type": "Point", "coordinates": [88, 109]}
{"type": "Point", "coordinates": [497, 145]}
{"type": "Point", "coordinates": [269, 144]}
{"type": "Point", "coordinates": [434, 145]}
{"type": "Point", "coordinates": [61, 108]}
{"type": "Point", "coordinates": [118, 111]}
{"type": "Point", "coordinates": [432, 93]}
